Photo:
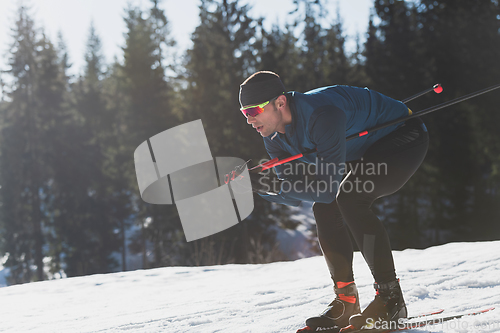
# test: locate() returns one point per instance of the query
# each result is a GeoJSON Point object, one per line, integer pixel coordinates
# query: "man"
{"type": "Point", "coordinates": [349, 176]}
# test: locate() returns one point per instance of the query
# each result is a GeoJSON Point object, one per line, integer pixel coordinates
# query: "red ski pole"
{"type": "Point", "coordinates": [426, 111]}
{"type": "Point", "coordinates": [436, 88]}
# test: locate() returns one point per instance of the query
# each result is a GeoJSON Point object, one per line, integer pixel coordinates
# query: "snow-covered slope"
{"type": "Point", "coordinates": [251, 298]}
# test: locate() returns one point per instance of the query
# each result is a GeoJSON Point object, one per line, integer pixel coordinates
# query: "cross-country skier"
{"type": "Point", "coordinates": [348, 178]}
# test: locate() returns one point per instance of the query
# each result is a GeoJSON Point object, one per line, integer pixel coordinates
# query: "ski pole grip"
{"type": "Point", "coordinates": [438, 88]}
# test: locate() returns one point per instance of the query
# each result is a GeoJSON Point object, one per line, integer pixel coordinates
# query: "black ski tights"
{"type": "Point", "coordinates": [385, 167]}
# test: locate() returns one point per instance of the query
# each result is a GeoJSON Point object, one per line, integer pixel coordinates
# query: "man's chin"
{"type": "Point", "coordinates": [264, 134]}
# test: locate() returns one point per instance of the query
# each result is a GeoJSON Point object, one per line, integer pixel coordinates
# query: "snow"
{"type": "Point", "coordinates": [275, 297]}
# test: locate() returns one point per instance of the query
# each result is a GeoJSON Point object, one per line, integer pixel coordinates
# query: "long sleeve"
{"type": "Point", "coordinates": [327, 131]}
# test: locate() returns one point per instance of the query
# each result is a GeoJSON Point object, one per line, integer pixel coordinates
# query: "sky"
{"type": "Point", "coordinates": [73, 19]}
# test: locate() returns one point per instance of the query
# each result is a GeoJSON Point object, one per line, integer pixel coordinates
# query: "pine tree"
{"type": "Point", "coordinates": [463, 42]}
{"type": "Point", "coordinates": [279, 53]}
{"type": "Point", "coordinates": [219, 61]}
{"type": "Point", "coordinates": [312, 45]}
{"type": "Point", "coordinates": [394, 50]}
{"type": "Point", "coordinates": [455, 43]}
{"type": "Point", "coordinates": [21, 215]}
{"type": "Point", "coordinates": [149, 111]}
{"type": "Point", "coordinates": [226, 50]}
{"type": "Point", "coordinates": [357, 75]}
{"type": "Point", "coordinates": [32, 120]}
{"type": "Point", "coordinates": [84, 222]}
{"type": "Point", "coordinates": [318, 57]}
{"type": "Point", "coordinates": [336, 65]}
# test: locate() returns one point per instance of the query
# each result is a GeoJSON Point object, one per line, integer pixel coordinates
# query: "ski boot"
{"type": "Point", "coordinates": [338, 312]}
{"type": "Point", "coordinates": [386, 310]}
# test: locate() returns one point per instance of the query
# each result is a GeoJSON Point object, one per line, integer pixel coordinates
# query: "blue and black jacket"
{"type": "Point", "coordinates": [321, 120]}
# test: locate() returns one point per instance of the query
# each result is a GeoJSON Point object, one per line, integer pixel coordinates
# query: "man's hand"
{"type": "Point", "coordinates": [265, 183]}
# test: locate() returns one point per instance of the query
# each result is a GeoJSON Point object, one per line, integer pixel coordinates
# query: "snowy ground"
{"type": "Point", "coordinates": [251, 298]}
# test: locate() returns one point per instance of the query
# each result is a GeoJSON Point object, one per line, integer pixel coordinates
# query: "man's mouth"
{"type": "Point", "coordinates": [259, 128]}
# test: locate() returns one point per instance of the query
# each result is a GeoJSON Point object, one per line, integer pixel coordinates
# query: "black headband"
{"type": "Point", "coordinates": [253, 93]}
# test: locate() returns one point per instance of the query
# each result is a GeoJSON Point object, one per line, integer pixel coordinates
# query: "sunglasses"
{"type": "Point", "coordinates": [254, 110]}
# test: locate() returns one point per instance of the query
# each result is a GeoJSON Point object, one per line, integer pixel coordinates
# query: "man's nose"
{"type": "Point", "coordinates": [250, 119]}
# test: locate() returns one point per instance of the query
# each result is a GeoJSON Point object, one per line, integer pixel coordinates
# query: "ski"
{"type": "Point", "coordinates": [409, 325]}
{"type": "Point", "coordinates": [440, 320]}
{"type": "Point", "coordinates": [412, 322]}
{"type": "Point", "coordinates": [337, 329]}
{"type": "Point", "coordinates": [426, 314]}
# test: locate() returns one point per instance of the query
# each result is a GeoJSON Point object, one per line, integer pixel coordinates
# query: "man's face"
{"type": "Point", "coordinates": [266, 123]}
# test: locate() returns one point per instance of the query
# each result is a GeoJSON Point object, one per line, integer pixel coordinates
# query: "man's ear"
{"type": "Point", "coordinates": [281, 101]}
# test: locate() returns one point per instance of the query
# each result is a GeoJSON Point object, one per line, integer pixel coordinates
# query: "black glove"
{"type": "Point", "coordinates": [265, 183]}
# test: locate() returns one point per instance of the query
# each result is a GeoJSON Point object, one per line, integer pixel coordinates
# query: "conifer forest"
{"type": "Point", "coordinates": [69, 199]}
